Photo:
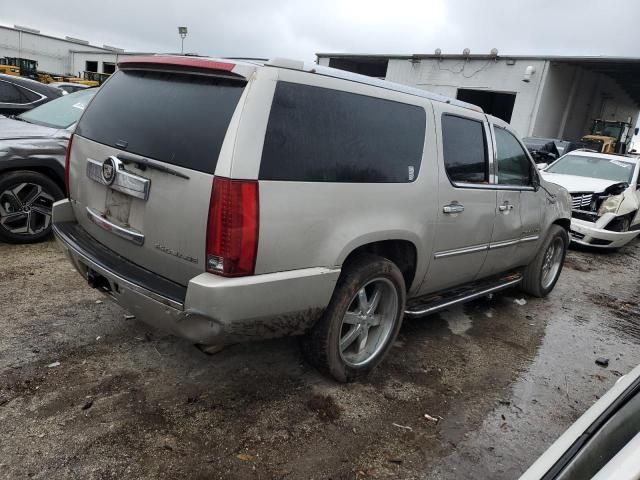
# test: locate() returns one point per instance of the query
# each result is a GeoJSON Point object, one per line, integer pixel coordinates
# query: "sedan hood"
{"type": "Point", "coordinates": [15, 130]}
{"type": "Point", "coordinates": [575, 183]}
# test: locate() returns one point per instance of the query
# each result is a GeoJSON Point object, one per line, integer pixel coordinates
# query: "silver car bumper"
{"type": "Point", "coordinates": [210, 309]}
{"type": "Point", "coordinates": [587, 233]}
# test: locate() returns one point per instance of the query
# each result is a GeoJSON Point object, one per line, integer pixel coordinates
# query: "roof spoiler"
{"type": "Point", "coordinates": [199, 63]}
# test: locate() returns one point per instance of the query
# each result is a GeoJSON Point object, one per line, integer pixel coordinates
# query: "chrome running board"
{"type": "Point", "coordinates": [432, 303]}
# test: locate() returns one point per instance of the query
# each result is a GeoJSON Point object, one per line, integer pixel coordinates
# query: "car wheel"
{"type": "Point", "coordinates": [543, 272]}
{"type": "Point", "coordinates": [26, 201]}
{"type": "Point", "coordinates": [362, 320]}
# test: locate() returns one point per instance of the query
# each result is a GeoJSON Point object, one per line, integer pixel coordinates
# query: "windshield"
{"type": "Point", "coordinates": [606, 129]}
{"type": "Point", "coordinates": [60, 113]}
{"type": "Point", "coordinates": [593, 167]}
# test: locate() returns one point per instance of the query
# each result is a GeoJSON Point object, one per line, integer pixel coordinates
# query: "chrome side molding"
{"type": "Point", "coordinates": [485, 246]}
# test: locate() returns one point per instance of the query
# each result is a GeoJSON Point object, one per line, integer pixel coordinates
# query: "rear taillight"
{"type": "Point", "coordinates": [66, 167]}
{"type": "Point", "coordinates": [232, 230]}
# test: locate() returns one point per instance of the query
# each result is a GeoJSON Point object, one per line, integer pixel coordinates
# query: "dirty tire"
{"type": "Point", "coordinates": [532, 282]}
{"type": "Point", "coordinates": [50, 192]}
{"type": "Point", "coordinates": [321, 346]}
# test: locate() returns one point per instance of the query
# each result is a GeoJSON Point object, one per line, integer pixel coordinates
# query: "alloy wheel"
{"type": "Point", "coordinates": [368, 322]}
{"type": "Point", "coordinates": [552, 262]}
{"type": "Point", "coordinates": [25, 209]}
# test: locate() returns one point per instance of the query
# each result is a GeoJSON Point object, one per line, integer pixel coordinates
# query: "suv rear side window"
{"type": "Point", "coordinates": [464, 146]}
{"type": "Point", "coordinates": [9, 93]}
{"type": "Point", "coordinates": [322, 135]}
{"type": "Point", "coordinates": [514, 167]}
{"type": "Point", "coordinates": [172, 117]}
{"type": "Point", "coordinates": [28, 96]}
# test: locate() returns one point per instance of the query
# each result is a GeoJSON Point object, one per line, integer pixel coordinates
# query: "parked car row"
{"type": "Point", "coordinates": [228, 201]}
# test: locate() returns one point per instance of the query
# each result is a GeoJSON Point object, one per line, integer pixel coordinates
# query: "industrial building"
{"type": "Point", "coordinates": [555, 97]}
{"type": "Point", "coordinates": [65, 56]}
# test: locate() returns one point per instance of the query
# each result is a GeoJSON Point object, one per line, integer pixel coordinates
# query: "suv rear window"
{"type": "Point", "coordinates": [322, 135]}
{"type": "Point", "coordinates": [176, 118]}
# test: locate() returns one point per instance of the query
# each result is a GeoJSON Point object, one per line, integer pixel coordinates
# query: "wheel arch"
{"type": "Point", "coordinates": [52, 170]}
{"type": "Point", "coordinates": [563, 222]}
{"type": "Point", "coordinates": [400, 249]}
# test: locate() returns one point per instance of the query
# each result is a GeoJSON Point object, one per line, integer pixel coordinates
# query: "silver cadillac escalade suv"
{"type": "Point", "coordinates": [227, 201]}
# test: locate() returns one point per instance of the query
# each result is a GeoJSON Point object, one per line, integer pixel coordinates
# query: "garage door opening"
{"type": "Point", "coordinates": [108, 67]}
{"type": "Point", "coordinates": [497, 104]}
{"type": "Point", "coordinates": [91, 66]}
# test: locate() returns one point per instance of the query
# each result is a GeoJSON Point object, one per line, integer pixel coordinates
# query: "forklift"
{"type": "Point", "coordinates": [610, 136]}
{"type": "Point", "coordinates": [22, 67]}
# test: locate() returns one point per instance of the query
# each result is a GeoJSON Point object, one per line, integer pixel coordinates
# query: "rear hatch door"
{"type": "Point", "coordinates": [143, 158]}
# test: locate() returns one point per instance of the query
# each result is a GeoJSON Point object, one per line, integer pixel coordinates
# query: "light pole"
{"type": "Point", "coordinates": [182, 31]}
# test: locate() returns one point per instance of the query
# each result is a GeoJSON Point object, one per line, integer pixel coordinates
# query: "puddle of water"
{"type": "Point", "coordinates": [457, 321]}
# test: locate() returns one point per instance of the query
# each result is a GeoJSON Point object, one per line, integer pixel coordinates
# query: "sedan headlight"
{"type": "Point", "coordinates": [610, 205]}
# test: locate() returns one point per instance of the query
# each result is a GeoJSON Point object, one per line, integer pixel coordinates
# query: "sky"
{"type": "Point", "coordinates": [299, 29]}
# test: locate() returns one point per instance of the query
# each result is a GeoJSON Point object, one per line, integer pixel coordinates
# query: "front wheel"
{"type": "Point", "coordinates": [362, 320]}
{"type": "Point", "coordinates": [543, 272]}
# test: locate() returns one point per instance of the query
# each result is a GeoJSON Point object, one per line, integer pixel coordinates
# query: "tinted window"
{"type": "Point", "coordinates": [465, 150]}
{"type": "Point", "coordinates": [176, 118]}
{"type": "Point", "coordinates": [514, 166]}
{"type": "Point", "coordinates": [9, 93]}
{"type": "Point", "coordinates": [322, 135]}
{"type": "Point", "coordinates": [28, 96]}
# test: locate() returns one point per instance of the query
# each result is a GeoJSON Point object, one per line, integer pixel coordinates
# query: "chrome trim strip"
{"type": "Point", "coordinates": [490, 246]}
{"type": "Point", "coordinates": [460, 251]}
{"type": "Point", "coordinates": [503, 243]}
{"type": "Point", "coordinates": [521, 188]}
{"type": "Point", "coordinates": [115, 277]}
{"type": "Point", "coordinates": [466, 298]}
{"type": "Point", "coordinates": [125, 182]}
{"type": "Point", "coordinates": [493, 172]}
{"type": "Point", "coordinates": [128, 234]}
{"type": "Point", "coordinates": [530, 238]}
{"type": "Point", "coordinates": [487, 186]}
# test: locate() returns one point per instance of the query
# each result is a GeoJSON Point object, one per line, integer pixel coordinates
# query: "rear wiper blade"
{"type": "Point", "coordinates": [144, 163]}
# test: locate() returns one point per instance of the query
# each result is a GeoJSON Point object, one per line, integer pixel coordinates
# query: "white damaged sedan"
{"type": "Point", "coordinates": [605, 194]}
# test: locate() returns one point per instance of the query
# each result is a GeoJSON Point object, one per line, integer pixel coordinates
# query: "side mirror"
{"type": "Point", "coordinates": [542, 166]}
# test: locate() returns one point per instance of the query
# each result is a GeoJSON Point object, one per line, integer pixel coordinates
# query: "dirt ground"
{"type": "Point", "coordinates": [88, 393]}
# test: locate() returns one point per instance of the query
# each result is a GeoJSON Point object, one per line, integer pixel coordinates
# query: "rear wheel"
{"type": "Point", "coordinates": [26, 201]}
{"type": "Point", "coordinates": [362, 320]}
{"type": "Point", "coordinates": [543, 272]}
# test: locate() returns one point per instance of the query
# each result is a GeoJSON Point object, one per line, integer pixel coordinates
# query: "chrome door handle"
{"type": "Point", "coordinates": [453, 208]}
{"type": "Point", "coordinates": [505, 207]}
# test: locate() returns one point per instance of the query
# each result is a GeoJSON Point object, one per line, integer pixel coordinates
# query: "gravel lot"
{"type": "Point", "coordinates": [126, 401]}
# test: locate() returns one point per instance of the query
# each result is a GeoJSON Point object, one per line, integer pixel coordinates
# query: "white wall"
{"type": "Point", "coordinates": [558, 93]}
{"type": "Point", "coordinates": [79, 60]}
{"type": "Point", "coordinates": [52, 54]}
{"type": "Point", "coordinates": [560, 101]}
{"type": "Point", "coordinates": [446, 76]}
{"type": "Point", "coordinates": [580, 96]}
